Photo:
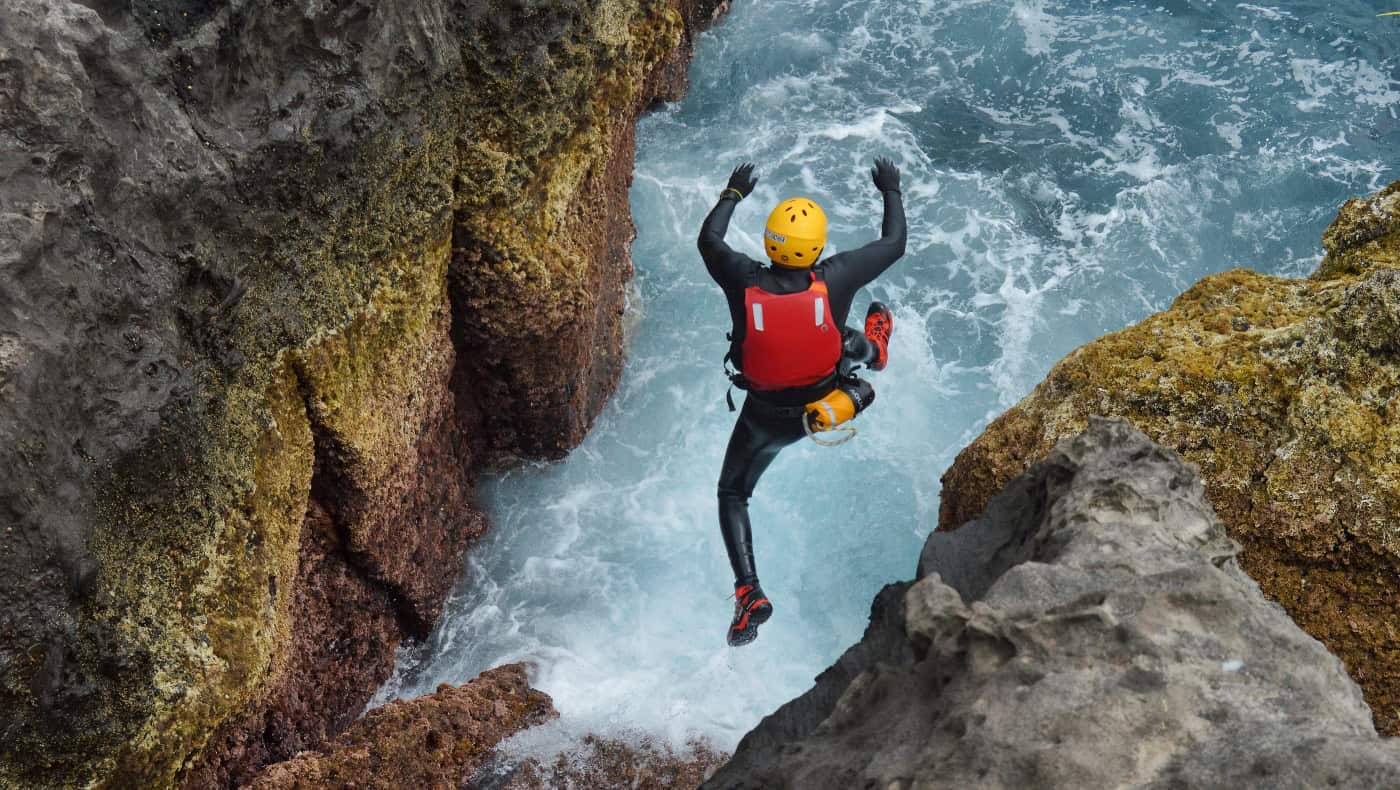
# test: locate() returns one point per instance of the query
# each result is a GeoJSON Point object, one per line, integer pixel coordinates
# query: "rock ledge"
{"type": "Point", "coordinates": [1091, 628]}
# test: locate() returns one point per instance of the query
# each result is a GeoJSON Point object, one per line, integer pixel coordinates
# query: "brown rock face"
{"type": "Point", "coordinates": [540, 311]}
{"type": "Point", "coordinates": [436, 741]}
{"type": "Point", "coordinates": [360, 589]}
{"type": "Point", "coordinates": [542, 373]}
{"type": "Point", "coordinates": [331, 658]}
{"type": "Point", "coordinates": [1284, 393]}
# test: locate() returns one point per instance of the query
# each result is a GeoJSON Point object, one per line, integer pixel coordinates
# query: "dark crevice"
{"type": "Point", "coordinates": [466, 397]}
{"type": "Point", "coordinates": [330, 486]}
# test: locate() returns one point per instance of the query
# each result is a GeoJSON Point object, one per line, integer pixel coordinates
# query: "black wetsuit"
{"type": "Point", "coordinates": [770, 420]}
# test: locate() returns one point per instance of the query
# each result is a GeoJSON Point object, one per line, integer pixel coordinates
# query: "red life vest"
{"type": "Point", "coordinates": [790, 340]}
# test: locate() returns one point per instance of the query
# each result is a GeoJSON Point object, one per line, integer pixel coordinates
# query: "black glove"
{"type": "Point", "coordinates": [885, 175]}
{"type": "Point", "coordinates": [742, 180]}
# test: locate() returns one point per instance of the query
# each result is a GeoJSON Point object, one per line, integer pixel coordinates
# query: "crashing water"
{"type": "Point", "coordinates": [1069, 168]}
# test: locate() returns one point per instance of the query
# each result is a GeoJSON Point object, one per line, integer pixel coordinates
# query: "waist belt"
{"type": "Point", "coordinates": [795, 400]}
{"type": "Point", "coordinates": [774, 410]}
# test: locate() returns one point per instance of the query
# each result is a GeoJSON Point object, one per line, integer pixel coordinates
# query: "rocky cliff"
{"type": "Point", "coordinates": [277, 276]}
{"type": "Point", "coordinates": [1091, 628]}
{"type": "Point", "coordinates": [1283, 392]}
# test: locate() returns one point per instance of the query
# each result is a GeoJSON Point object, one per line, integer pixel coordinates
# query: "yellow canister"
{"type": "Point", "coordinates": [840, 405]}
{"type": "Point", "coordinates": [832, 410]}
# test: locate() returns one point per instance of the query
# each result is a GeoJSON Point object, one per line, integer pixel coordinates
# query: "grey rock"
{"type": "Point", "coordinates": [1091, 629]}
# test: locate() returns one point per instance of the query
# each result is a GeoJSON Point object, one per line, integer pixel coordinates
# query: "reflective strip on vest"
{"type": "Point", "coordinates": [821, 307]}
{"type": "Point", "coordinates": [758, 316]}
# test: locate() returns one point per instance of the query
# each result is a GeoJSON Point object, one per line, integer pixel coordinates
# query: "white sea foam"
{"type": "Point", "coordinates": [1039, 27]}
{"type": "Point", "coordinates": [1068, 169]}
{"type": "Point", "coordinates": [1272, 14]}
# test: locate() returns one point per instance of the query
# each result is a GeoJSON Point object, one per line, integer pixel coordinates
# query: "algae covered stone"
{"type": "Point", "coordinates": [1283, 392]}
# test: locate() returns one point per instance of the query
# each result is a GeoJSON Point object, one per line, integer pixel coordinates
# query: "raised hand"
{"type": "Point", "coordinates": [885, 175]}
{"type": "Point", "coordinates": [742, 180]}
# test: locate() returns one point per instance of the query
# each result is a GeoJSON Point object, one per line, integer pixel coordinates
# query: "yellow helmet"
{"type": "Point", "coordinates": [796, 233]}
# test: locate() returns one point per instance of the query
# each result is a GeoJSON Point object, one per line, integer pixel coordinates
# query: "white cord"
{"type": "Point", "coordinates": [849, 430]}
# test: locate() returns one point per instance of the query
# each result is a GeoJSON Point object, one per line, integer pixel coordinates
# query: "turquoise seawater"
{"type": "Point", "coordinates": [1069, 168]}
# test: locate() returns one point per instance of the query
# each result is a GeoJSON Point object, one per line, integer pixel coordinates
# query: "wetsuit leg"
{"type": "Point", "coordinates": [755, 442]}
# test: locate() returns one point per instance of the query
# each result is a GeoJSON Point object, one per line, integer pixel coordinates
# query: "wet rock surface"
{"type": "Point", "coordinates": [601, 763]}
{"type": "Point", "coordinates": [1283, 392]}
{"type": "Point", "coordinates": [434, 741]}
{"type": "Point", "coordinates": [277, 278]}
{"type": "Point", "coordinates": [1090, 629]}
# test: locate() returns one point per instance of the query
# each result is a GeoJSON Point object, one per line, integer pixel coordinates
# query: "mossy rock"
{"type": "Point", "coordinates": [1283, 392]}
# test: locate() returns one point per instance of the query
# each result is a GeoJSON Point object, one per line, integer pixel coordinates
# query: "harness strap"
{"type": "Point", "coordinates": [736, 379]}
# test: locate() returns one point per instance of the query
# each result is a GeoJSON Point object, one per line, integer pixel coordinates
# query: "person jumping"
{"type": "Point", "coordinates": [791, 349]}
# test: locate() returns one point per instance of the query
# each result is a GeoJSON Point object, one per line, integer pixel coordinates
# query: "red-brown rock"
{"type": "Point", "coordinates": [436, 741]}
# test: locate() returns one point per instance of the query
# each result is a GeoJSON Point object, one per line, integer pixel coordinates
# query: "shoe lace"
{"type": "Point", "coordinates": [747, 588]}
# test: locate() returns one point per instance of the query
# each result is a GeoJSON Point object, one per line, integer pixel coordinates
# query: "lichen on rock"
{"type": "Point", "coordinates": [1283, 392]}
{"type": "Point", "coordinates": [540, 260]}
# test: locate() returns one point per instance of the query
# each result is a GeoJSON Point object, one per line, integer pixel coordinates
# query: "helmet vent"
{"type": "Point", "coordinates": [804, 212]}
{"type": "Point", "coordinates": [798, 254]}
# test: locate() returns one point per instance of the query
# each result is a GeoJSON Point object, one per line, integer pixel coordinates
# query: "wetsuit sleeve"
{"type": "Point", "coordinates": [727, 267]}
{"type": "Point", "coordinates": [852, 270]}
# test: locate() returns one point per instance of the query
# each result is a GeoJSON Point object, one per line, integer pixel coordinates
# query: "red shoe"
{"type": "Point", "coordinates": [751, 609]}
{"type": "Point", "coordinates": [879, 325]}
